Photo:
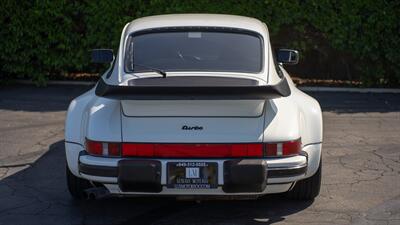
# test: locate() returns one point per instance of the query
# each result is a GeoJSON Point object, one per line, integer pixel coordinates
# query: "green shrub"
{"type": "Point", "coordinates": [43, 39]}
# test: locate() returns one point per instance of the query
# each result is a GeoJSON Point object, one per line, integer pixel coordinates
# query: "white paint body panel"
{"type": "Point", "coordinates": [226, 121]}
{"type": "Point", "coordinates": [169, 129]}
{"type": "Point", "coordinates": [198, 108]}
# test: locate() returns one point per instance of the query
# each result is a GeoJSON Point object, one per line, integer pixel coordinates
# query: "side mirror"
{"type": "Point", "coordinates": [288, 56]}
{"type": "Point", "coordinates": [102, 55]}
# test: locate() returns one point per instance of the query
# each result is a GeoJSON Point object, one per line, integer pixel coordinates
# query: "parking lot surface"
{"type": "Point", "coordinates": [361, 169]}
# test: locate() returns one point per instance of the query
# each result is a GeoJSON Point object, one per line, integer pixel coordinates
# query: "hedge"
{"type": "Point", "coordinates": [44, 39]}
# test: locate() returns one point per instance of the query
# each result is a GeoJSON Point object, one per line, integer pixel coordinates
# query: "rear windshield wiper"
{"type": "Point", "coordinates": [159, 71]}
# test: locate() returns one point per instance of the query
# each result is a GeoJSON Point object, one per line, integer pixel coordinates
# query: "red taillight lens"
{"type": "Point", "coordinates": [94, 147]}
{"type": "Point", "coordinates": [103, 148]}
{"type": "Point", "coordinates": [257, 150]}
{"type": "Point", "coordinates": [192, 150]}
{"type": "Point", "coordinates": [114, 149]}
{"type": "Point", "coordinates": [288, 148]}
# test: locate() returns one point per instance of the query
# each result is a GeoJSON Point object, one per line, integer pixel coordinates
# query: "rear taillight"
{"type": "Point", "coordinates": [99, 148]}
{"type": "Point", "coordinates": [287, 148]}
{"type": "Point", "coordinates": [165, 150]}
{"type": "Point", "coordinates": [192, 150]}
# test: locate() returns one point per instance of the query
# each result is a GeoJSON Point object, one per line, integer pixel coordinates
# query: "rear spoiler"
{"type": "Point", "coordinates": [181, 92]}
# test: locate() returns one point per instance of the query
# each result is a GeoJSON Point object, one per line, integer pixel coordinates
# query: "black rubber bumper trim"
{"type": "Point", "coordinates": [286, 172]}
{"type": "Point", "coordinates": [245, 175]}
{"type": "Point", "coordinates": [100, 171]}
{"type": "Point", "coordinates": [139, 176]}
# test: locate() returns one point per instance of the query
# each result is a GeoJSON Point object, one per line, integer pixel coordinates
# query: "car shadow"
{"type": "Point", "coordinates": [347, 102]}
{"type": "Point", "coordinates": [266, 210]}
{"type": "Point", "coordinates": [38, 195]}
{"type": "Point", "coordinates": [29, 98]}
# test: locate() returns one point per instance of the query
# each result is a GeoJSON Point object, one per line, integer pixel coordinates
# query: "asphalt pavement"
{"type": "Point", "coordinates": [361, 169]}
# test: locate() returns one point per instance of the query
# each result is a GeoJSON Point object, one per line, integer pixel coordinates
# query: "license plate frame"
{"type": "Point", "coordinates": [203, 175]}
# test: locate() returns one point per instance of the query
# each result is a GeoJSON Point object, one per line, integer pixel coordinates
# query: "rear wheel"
{"type": "Point", "coordinates": [307, 189]}
{"type": "Point", "coordinates": [76, 185]}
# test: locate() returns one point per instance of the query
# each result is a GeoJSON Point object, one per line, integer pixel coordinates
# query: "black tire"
{"type": "Point", "coordinates": [307, 189]}
{"type": "Point", "coordinates": [76, 185]}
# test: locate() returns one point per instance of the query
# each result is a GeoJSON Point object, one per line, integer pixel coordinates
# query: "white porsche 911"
{"type": "Point", "coordinates": [194, 105]}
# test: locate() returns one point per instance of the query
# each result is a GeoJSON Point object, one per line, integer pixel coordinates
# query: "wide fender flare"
{"type": "Point", "coordinates": [90, 117]}
{"type": "Point", "coordinates": [311, 129]}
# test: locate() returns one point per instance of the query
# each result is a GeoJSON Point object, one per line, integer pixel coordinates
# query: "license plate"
{"type": "Point", "coordinates": [192, 175]}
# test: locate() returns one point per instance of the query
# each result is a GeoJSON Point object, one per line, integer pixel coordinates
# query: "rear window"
{"type": "Point", "coordinates": [199, 50]}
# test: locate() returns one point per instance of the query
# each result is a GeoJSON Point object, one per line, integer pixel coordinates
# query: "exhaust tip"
{"type": "Point", "coordinates": [96, 193]}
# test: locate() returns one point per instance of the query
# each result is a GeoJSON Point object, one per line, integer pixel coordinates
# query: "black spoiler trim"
{"type": "Point", "coordinates": [281, 89]}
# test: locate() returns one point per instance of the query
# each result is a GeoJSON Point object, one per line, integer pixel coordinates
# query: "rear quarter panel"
{"type": "Point", "coordinates": [310, 124]}
{"type": "Point", "coordinates": [309, 113]}
{"type": "Point", "coordinates": [89, 116]}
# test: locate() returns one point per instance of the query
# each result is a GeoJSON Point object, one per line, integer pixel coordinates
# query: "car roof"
{"type": "Point", "coordinates": [193, 20]}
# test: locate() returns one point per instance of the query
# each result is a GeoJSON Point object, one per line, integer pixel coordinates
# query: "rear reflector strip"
{"type": "Point", "coordinates": [192, 150]}
{"type": "Point", "coordinates": [163, 150]}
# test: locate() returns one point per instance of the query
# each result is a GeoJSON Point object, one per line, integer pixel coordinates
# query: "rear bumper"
{"type": "Point", "coordinates": [274, 175]}
{"type": "Point", "coordinates": [112, 172]}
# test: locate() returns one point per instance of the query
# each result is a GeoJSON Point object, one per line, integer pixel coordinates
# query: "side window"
{"type": "Point", "coordinates": [129, 54]}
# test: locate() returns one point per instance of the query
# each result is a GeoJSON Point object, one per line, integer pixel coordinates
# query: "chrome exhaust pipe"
{"type": "Point", "coordinates": [96, 193]}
